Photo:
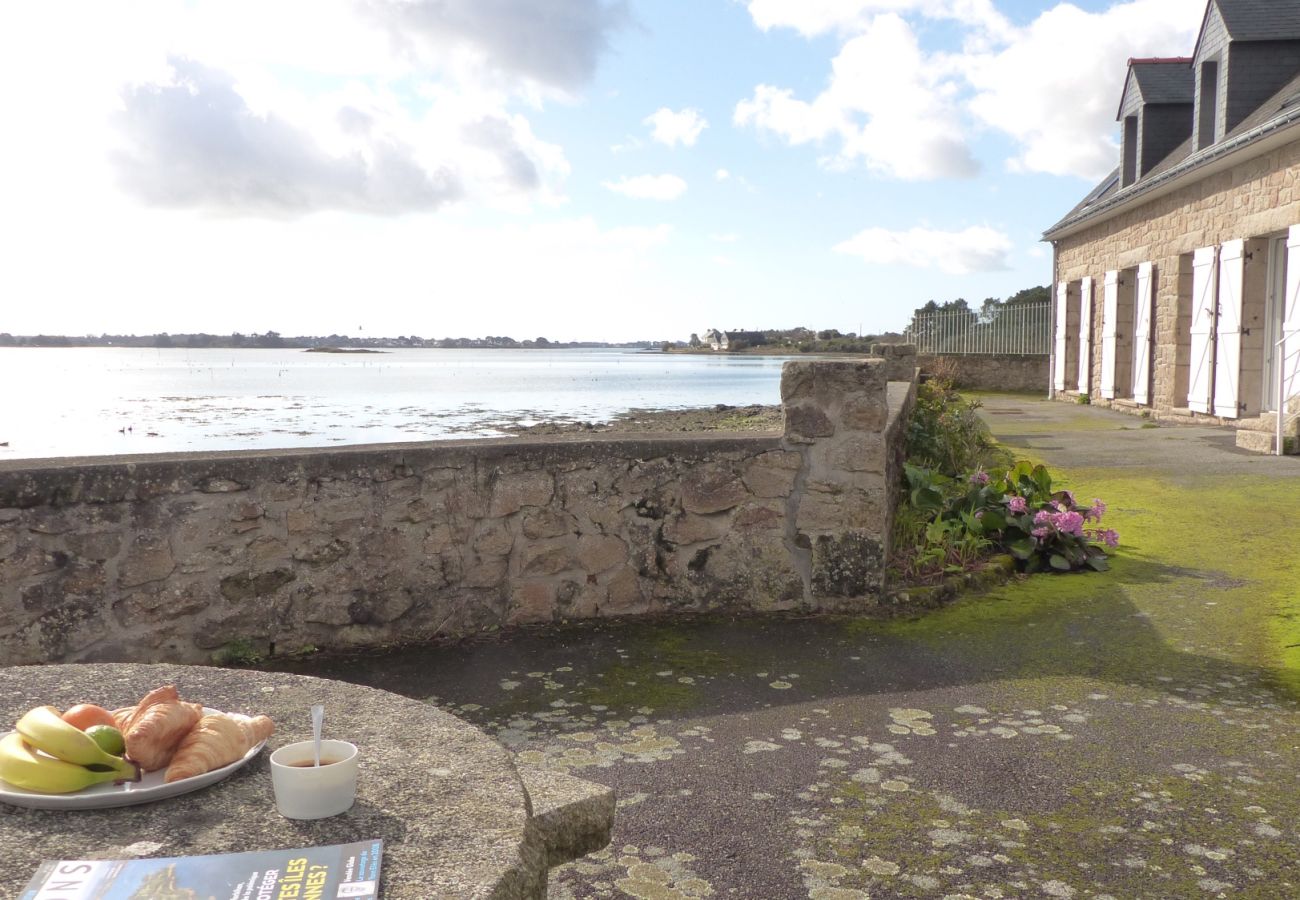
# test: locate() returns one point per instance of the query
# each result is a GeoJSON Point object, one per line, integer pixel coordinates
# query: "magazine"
{"type": "Point", "coordinates": [314, 873]}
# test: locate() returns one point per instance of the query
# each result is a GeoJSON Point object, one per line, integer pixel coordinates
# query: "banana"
{"type": "Point", "coordinates": [23, 767]}
{"type": "Point", "coordinates": [45, 730]}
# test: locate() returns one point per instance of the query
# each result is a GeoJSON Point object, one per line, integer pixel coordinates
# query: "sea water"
{"type": "Point", "coordinates": [90, 401]}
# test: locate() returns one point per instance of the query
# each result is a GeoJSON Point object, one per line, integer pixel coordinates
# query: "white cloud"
{"type": "Point", "coordinates": [1052, 86]}
{"type": "Point", "coordinates": [889, 105]}
{"type": "Point", "coordinates": [194, 142]}
{"type": "Point", "coordinates": [673, 128]}
{"type": "Point", "coordinates": [555, 44]}
{"type": "Point", "coordinates": [233, 106]}
{"type": "Point", "coordinates": [975, 249]}
{"type": "Point", "coordinates": [729, 237]}
{"type": "Point", "coordinates": [648, 187]}
{"type": "Point", "coordinates": [1063, 116]}
{"type": "Point", "coordinates": [721, 175]}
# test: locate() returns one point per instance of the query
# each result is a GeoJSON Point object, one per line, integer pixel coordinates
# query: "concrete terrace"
{"type": "Point", "coordinates": [1133, 734]}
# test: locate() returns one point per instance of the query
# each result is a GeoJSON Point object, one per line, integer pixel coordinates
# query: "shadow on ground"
{"type": "Point", "coordinates": [1124, 735]}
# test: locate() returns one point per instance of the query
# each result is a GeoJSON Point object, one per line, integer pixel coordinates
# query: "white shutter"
{"type": "Point", "coordinates": [1142, 335]}
{"type": "Point", "coordinates": [1058, 361]}
{"type": "Point", "coordinates": [1200, 380]}
{"type": "Point", "coordinates": [1227, 330]}
{"type": "Point", "coordinates": [1291, 322]}
{"type": "Point", "coordinates": [1085, 335]}
{"type": "Point", "coordinates": [1109, 334]}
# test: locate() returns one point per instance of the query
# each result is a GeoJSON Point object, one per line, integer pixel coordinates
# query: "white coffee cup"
{"type": "Point", "coordinates": [305, 791]}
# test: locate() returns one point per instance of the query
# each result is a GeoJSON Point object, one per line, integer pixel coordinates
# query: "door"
{"type": "Point", "coordinates": [1142, 331]}
{"type": "Point", "coordinates": [1200, 380]}
{"type": "Point", "coordinates": [1109, 334]}
{"type": "Point", "coordinates": [1227, 330]}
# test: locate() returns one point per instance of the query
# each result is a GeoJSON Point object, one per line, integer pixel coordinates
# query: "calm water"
{"type": "Point", "coordinates": [92, 401]}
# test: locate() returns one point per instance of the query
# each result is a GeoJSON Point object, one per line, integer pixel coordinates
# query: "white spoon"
{"type": "Point", "coordinates": [317, 719]}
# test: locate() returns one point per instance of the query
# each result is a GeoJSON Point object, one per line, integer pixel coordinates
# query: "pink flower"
{"type": "Point", "coordinates": [1069, 523]}
{"type": "Point", "coordinates": [980, 478]}
{"type": "Point", "coordinates": [1041, 533]}
{"type": "Point", "coordinates": [1098, 509]}
{"type": "Point", "coordinates": [1110, 537]}
{"type": "Point", "coordinates": [1018, 505]}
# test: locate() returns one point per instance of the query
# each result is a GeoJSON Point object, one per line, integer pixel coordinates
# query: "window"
{"type": "Point", "coordinates": [1130, 151]}
{"type": "Point", "coordinates": [1209, 105]}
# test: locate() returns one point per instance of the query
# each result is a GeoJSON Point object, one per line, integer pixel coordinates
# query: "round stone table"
{"type": "Point", "coordinates": [447, 800]}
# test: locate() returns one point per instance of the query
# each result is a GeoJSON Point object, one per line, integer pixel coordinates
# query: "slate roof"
{"type": "Point", "coordinates": [1166, 81]}
{"type": "Point", "coordinates": [1160, 81]}
{"type": "Point", "coordinates": [1280, 110]}
{"type": "Point", "coordinates": [1261, 20]}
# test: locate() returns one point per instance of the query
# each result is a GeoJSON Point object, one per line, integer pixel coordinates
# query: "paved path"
{"type": "Point", "coordinates": [1129, 735]}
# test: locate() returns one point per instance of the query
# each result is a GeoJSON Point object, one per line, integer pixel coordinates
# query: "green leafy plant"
{"type": "Point", "coordinates": [239, 652]}
{"type": "Point", "coordinates": [966, 500]}
{"type": "Point", "coordinates": [1017, 511]}
{"type": "Point", "coordinates": [945, 432]}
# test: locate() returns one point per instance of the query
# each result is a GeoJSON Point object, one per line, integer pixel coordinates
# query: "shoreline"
{"type": "Point", "coordinates": [720, 417]}
{"type": "Point", "coordinates": [752, 418]}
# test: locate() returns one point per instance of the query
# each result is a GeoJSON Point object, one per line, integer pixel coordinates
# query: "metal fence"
{"type": "Point", "coordinates": [1021, 329]}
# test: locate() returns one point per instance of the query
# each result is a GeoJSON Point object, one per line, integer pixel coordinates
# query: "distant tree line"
{"type": "Point", "coordinates": [273, 339]}
{"type": "Point", "coordinates": [798, 340]}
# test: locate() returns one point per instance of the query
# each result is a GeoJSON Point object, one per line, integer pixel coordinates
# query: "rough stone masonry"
{"type": "Point", "coordinates": [173, 557]}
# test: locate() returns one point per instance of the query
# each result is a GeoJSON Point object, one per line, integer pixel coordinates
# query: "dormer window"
{"type": "Point", "coordinates": [1129, 171]}
{"type": "Point", "coordinates": [1155, 113]}
{"type": "Point", "coordinates": [1208, 103]}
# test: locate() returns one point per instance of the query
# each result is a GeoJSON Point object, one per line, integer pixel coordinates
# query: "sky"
{"type": "Point", "coordinates": [571, 169]}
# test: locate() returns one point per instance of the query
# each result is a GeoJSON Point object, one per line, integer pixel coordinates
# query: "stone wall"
{"type": "Point", "coordinates": [1255, 199]}
{"type": "Point", "coordinates": [991, 372]}
{"type": "Point", "coordinates": [170, 558]}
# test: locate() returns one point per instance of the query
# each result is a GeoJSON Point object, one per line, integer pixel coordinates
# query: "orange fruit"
{"type": "Point", "coordinates": [84, 715]}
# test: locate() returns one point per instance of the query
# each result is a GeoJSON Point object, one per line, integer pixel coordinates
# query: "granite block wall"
{"type": "Point", "coordinates": [175, 557]}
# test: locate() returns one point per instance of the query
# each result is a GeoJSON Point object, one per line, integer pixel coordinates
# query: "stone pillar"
{"type": "Point", "coordinates": [836, 412]}
{"type": "Point", "coordinates": [901, 360]}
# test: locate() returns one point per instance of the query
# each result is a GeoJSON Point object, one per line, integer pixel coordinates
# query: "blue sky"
{"type": "Point", "coordinates": [578, 169]}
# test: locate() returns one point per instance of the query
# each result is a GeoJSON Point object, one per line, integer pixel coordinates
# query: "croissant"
{"type": "Point", "coordinates": [122, 716]}
{"type": "Point", "coordinates": [216, 741]}
{"type": "Point", "coordinates": [128, 714]}
{"type": "Point", "coordinates": [157, 726]}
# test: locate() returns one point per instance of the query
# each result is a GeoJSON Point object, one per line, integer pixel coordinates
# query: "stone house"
{"type": "Point", "coordinates": [725, 340]}
{"type": "Point", "coordinates": [1178, 276]}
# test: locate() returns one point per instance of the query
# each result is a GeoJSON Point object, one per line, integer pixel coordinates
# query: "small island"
{"type": "Point", "coordinates": [341, 350]}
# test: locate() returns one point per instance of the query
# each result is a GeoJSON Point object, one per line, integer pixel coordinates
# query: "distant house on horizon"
{"type": "Point", "coordinates": [733, 340]}
{"type": "Point", "coordinates": [1178, 276]}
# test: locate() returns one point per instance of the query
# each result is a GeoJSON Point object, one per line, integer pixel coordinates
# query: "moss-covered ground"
{"type": "Point", "coordinates": [1129, 734]}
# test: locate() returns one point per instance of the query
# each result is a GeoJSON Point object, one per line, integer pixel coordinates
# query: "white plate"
{"type": "Point", "coordinates": [104, 796]}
